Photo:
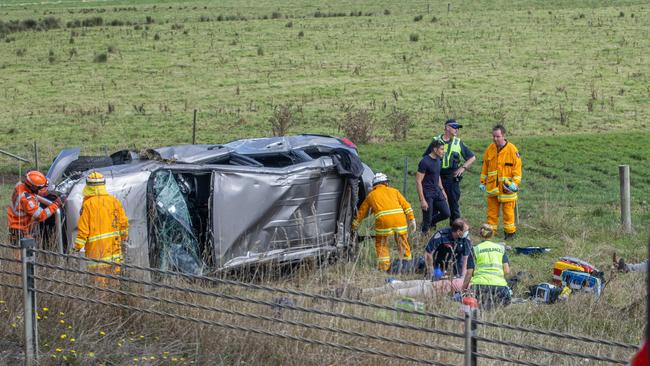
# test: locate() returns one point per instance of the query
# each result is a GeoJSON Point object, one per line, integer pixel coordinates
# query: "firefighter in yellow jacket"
{"type": "Point", "coordinates": [390, 211]}
{"type": "Point", "coordinates": [102, 227]}
{"type": "Point", "coordinates": [500, 178]}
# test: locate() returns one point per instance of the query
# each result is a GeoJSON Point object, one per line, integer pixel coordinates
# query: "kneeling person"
{"type": "Point", "coordinates": [448, 250]}
{"type": "Point", "coordinates": [486, 271]}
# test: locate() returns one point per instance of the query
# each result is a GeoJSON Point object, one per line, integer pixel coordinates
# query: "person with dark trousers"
{"type": "Point", "coordinates": [458, 158]}
{"type": "Point", "coordinates": [433, 199]}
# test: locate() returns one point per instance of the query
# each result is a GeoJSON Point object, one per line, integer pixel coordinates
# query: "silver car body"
{"type": "Point", "coordinates": [203, 208]}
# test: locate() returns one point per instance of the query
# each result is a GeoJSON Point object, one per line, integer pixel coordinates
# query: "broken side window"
{"type": "Point", "coordinates": [176, 244]}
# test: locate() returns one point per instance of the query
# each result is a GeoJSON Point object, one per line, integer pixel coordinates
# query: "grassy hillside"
{"type": "Point", "coordinates": [568, 79]}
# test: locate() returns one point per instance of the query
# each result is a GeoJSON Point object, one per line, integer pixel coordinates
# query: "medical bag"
{"type": "Point", "coordinates": [582, 281]}
{"type": "Point", "coordinates": [571, 264]}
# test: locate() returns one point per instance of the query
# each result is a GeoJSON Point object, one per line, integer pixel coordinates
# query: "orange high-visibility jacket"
{"type": "Point", "coordinates": [25, 211]}
{"type": "Point", "coordinates": [501, 166]}
{"type": "Point", "coordinates": [390, 210]}
{"type": "Point", "coordinates": [102, 227]}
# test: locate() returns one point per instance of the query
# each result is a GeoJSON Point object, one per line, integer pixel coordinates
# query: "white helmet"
{"type": "Point", "coordinates": [379, 178]}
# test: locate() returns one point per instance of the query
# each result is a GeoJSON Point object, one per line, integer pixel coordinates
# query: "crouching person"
{"type": "Point", "coordinates": [391, 212]}
{"type": "Point", "coordinates": [486, 270]}
{"type": "Point", "coordinates": [102, 228]}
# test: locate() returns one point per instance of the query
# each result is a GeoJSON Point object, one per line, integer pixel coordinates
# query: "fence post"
{"type": "Point", "coordinates": [471, 346]}
{"type": "Point", "coordinates": [31, 328]}
{"type": "Point", "coordinates": [626, 217]}
{"type": "Point", "coordinates": [406, 173]}
{"type": "Point", "coordinates": [194, 128]}
{"type": "Point", "coordinates": [36, 155]}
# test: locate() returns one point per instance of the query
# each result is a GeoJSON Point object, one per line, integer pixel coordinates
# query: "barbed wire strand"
{"type": "Point", "coordinates": [2, 271]}
{"type": "Point", "coordinates": [10, 260]}
{"type": "Point", "coordinates": [258, 302]}
{"type": "Point", "coordinates": [254, 286]}
{"type": "Point", "coordinates": [245, 329]}
{"type": "Point", "coordinates": [251, 315]}
{"type": "Point", "coordinates": [549, 350]}
{"type": "Point", "coordinates": [348, 301]}
{"type": "Point", "coordinates": [16, 287]}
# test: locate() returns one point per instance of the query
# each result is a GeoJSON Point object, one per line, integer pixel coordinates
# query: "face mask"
{"type": "Point", "coordinates": [465, 234]}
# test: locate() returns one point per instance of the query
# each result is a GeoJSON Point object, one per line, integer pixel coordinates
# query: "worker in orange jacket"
{"type": "Point", "coordinates": [500, 178]}
{"type": "Point", "coordinates": [390, 211]}
{"type": "Point", "coordinates": [102, 227]}
{"type": "Point", "coordinates": [25, 208]}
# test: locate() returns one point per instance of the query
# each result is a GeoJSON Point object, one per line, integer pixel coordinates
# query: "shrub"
{"type": "Point", "coordinates": [289, 24]}
{"type": "Point", "coordinates": [177, 26]}
{"type": "Point", "coordinates": [101, 58]}
{"type": "Point", "coordinates": [51, 56]}
{"type": "Point", "coordinates": [434, 19]}
{"type": "Point", "coordinates": [112, 49]}
{"type": "Point", "coordinates": [276, 15]}
{"type": "Point", "coordinates": [358, 126]}
{"type": "Point", "coordinates": [137, 27]}
{"type": "Point", "coordinates": [20, 52]}
{"type": "Point", "coordinates": [417, 18]}
{"type": "Point", "coordinates": [29, 24]}
{"type": "Point", "coordinates": [50, 23]}
{"type": "Point", "coordinates": [282, 119]}
{"type": "Point", "coordinates": [156, 37]}
{"type": "Point", "coordinates": [260, 51]}
{"type": "Point", "coordinates": [386, 12]}
{"type": "Point", "coordinates": [205, 18]}
{"type": "Point", "coordinates": [301, 34]}
{"type": "Point", "coordinates": [149, 19]}
{"type": "Point", "coordinates": [116, 23]}
{"type": "Point", "coordinates": [93, 22]}
{"type": "Point", "coordinates": [414, 37]}
{"type": "Point", "coordinates": [399, 123]}
{"type": "Point", "coordinates": [72, 53]}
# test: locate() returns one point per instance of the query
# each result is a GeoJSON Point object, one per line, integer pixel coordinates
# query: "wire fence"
{"type": "Point", "coordinates": [347, 325]}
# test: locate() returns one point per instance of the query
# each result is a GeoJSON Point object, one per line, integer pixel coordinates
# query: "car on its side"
{"type": "Point", "coordinates": [204, 208]}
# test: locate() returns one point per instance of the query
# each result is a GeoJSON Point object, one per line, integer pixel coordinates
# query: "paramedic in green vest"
{"type": "Point", "coordinates": [486, 270]}
{"type": "Point", "coordinates": [456, 161]}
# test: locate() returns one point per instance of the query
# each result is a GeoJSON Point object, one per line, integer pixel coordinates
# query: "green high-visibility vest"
{"type": "Point", "coordinates": [452, 147]}
{"type": "Point", "coordinates": [488, 264]}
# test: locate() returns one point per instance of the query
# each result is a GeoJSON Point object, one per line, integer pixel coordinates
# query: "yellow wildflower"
{"type": "Point", "coordinates": [61, 313]}
{"type": "Point", "coordinates": [91, 354]}
{"type": "Point", "coordinates": [73, 339]}
{"type": "Point", "coordinates": [63, 336]}
{"type": "Point", "coordinates": [58, 350]}
{"type": "Point", "coordinates": [46, 309]}
{"type": "Point", "coordinates": [73, 351]}
{"type": "Point", "coordinates": [62, 321]}
{"type": "Point", "coordinates": [102, 333]}
{"type": "Point", "coordinates": [13, 325]}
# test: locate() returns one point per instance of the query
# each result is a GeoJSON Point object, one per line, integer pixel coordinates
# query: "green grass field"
{"type": "Point", "coordinates": [570, 80]}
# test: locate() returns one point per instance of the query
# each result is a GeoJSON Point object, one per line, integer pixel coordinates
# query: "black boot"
{"type": "Point", "coordinates": [509, 236]}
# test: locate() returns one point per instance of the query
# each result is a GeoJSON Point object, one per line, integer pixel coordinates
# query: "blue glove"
{"type": "Point", "coordinates": [481, 187]}
{"type": "Point", "coordinates": [458, 297]}
{"type": "Point", "coordinates": [437, 273]}
{"type": "Point", "coordinates": [513, 187]}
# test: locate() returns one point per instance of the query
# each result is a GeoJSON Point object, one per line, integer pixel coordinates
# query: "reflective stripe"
{"type": "Point", "coordinates": [103, 236]}
{"type": "Point", "coordinates": [494, 172]}
{"type": "Point", "coordinates": [398, 230]}
{"type": "Point", "coordinates": [116, 258]}
{"type": "Point", "coordinates": [388, 212]}
{"type": "Point", "coordinates": [80, 241]}
{"type": "Point", "coordinates": [483, 176]}
{"type": "Point", "coordinates": [37, 213]}
{"type": "Point", "coordinates": [408, 210]}
{"type": "Point", "coordinates": [14, 208]}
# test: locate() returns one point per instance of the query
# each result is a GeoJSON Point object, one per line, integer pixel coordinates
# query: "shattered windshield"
{"type": "Point", "coordinates": [176, 244]}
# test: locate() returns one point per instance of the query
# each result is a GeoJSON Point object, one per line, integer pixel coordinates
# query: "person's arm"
{"type": "Point", "coordinates": [464, 269]}
{"type": "Point", "coordinates": [469, 158]}
{"type": "Point", "coordinates": [419, 177]}
{"type": "Point", "coordinates": [123, 221]}
{"type": "Point", "coordinates": [442, 188]}
{"type": "Point", "coordinates": [361, 214]}
{"type": "Point", "coordinates": [428, 260]}
{"type": "Point", "coordinates": [406, 206]}
{"type": "Point", "coordinates": [506, 268]}
{"type": "Point", "coordinates": [468, 277]}
{"type": "Point", "coordinates": [82, 229]}
{"type": "Point", "coordinates": [484, 168]}
{"type": "Point", "coordinates": [516, 169]}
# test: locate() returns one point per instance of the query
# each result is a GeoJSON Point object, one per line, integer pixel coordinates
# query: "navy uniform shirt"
{"type": "Point", "coordinates": [431, 169]}
{"type": "Point", "coordinates": [448, 252]}
{"type": "Point", "coordinates": [454, 159]}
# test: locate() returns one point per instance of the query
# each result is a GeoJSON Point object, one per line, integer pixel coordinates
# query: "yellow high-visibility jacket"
{"type": "Point", "coordinates": [102, 227]}
{"type": "Point", "coordinates": [501, 166]}
{"type": "Point", "coordinates": [390, 210]}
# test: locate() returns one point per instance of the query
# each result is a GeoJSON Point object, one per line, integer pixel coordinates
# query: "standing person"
{"type": "Point", "coordinates": [500, 178]}
{"type": "Point", "coordinates": [433, 198]}
{"type": "Point", "coordinates": [25, 210]}
{"type": "Point", "coordinates": [390, 211]}
{"type": "Point", "coordinates": [102, 227]}
{"type": "Point", "coordinates": [486, 270]}
{"type": "Point", "coordinates": [448, 250]}
{"type": "Point", "coordinates": [451, 170]}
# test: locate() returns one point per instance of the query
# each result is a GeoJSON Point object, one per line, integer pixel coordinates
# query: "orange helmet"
{"type": "Point", "coordinates": [35, 180]}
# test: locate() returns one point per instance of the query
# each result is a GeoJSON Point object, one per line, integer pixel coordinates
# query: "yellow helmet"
{"type": "Point", "coordinates": [95, 179]}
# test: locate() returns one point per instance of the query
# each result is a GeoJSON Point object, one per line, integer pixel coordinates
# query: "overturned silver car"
{"type": "Point", "coordinates": [205, 208]}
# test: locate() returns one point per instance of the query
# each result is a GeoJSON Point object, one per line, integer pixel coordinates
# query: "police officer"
{"type": "Point", "coordinates": [448, 250]}
{"type": "Point", "coordinates": [457, 160]}
{"type": "Point", "coordinates": [486, 270]}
